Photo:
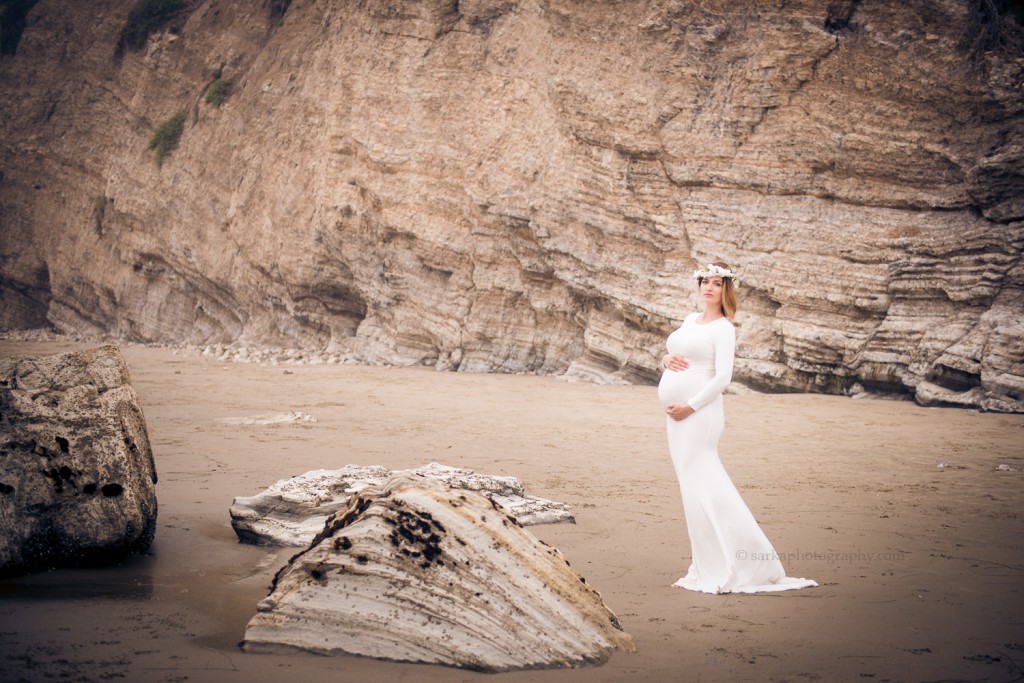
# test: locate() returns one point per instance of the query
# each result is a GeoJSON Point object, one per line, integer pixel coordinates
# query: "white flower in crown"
{"type": "Point", "coordinates": [711, 270]}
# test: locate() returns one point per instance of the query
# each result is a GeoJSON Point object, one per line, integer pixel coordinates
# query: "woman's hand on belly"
{"type": "Point", "coordinates": [679, 411]}
{"type": "Point", "coordinates": [673, 361]}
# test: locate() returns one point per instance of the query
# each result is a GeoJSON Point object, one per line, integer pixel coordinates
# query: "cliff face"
{"type": "Point", "coordinates": [527, 185]}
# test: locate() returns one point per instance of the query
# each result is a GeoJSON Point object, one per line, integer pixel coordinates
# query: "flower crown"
{"type": "Point", "coordinates": [711, 270]}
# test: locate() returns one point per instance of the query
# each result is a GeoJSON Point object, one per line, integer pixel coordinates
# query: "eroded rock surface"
{"type": "Point", "coordinates": [526, 185]}
{"type": "Point", "coordinates": [292, 511]}
{"type": "Point", "coordinates": [77, 478]}
{"type": "Point", "coordinates": [415, 571]}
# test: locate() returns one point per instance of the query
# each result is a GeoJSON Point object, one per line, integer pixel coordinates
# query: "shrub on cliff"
{"type": "Point", "coordinates": [217, 92]}
{"type": "Point", "coordinates": [146, 17]}
{"type": "Point", "coordinates": [166, 137]}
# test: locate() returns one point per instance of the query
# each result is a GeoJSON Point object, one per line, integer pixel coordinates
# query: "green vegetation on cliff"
{"type": "Point", "coordinates": [166, 137]}
{"type": "Point", "coordinates": [217, 92]}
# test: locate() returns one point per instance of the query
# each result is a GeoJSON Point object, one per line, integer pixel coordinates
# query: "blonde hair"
{"type": "Point", "coordinates": [728, 292]}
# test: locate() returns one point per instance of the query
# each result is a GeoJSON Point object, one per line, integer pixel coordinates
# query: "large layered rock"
{"type": "Point", "coordinates": [292, 512]}
{"type": "Point", "coordinates": [525, 185]}
{"type": "Point", "coordinates": [415, 571]}
{"type": "Point", "coordinates": [76, 469]}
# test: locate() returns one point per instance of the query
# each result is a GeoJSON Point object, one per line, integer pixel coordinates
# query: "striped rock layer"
{"type": "Point", "coordinates": [292, 512]}
{"type": "Point", "coordinates": [413, 571]}
{"type": "Point", "coordinates": [526, 185]}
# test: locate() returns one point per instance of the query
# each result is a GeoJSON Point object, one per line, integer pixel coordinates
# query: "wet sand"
{"type": "Point", "coordinates": [921, 569]}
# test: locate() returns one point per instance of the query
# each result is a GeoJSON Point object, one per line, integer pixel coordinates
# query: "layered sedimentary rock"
{"type": "Point", "coordinates": [76, 469]}
{"type": "Point", "coordinates": [416, 571]}
{"type": "Point", "coordinates": [292, 512]}
{"type": "Point", "coordinates": [525, 185]}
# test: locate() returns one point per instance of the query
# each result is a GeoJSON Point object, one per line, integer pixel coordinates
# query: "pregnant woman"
{"type": "Point", "coordinates": [730, 553]}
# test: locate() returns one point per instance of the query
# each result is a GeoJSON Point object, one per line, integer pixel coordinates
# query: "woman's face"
{"type": "Point", "coordinates": [711, 291]}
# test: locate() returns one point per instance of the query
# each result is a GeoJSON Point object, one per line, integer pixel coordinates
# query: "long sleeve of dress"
{"type": "Point", "coordinates": [724, 340]}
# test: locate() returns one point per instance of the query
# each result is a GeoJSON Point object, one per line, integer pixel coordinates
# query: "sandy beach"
{"type": "Point", "coordinates": [921, 568]}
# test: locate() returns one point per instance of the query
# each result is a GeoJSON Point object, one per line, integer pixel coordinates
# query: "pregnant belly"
{"type": "Point", "coordinates": [679, 387]}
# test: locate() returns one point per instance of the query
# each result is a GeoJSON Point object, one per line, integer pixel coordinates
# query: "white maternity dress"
{"type": "Point", "coordinates": [730, 553]}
